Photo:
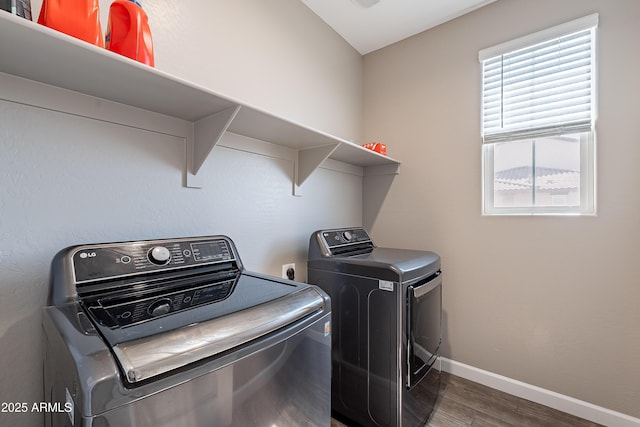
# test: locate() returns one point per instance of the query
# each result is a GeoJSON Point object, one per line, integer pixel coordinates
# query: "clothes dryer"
{"type": "Point", "coordinates": [386, 315]}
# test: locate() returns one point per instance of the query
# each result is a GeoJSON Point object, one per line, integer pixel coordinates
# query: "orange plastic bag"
{"type": "Point", "coordinates": [128, 31]}
{"type": "Point", "coordinates": [77, 18]}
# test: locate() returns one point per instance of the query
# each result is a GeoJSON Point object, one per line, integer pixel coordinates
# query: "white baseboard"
{"type": "Point", "coordinates": [558, 401]}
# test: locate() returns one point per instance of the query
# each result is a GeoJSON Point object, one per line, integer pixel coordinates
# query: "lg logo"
{"type": "Point", "coordinates": [84, 255]}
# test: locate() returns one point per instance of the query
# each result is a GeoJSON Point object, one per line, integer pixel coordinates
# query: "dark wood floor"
{"type": "Point", "coordinates": [463, 403]}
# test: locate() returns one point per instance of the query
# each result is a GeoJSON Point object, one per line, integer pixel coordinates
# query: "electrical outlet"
{"type": "Point", "coordinates": [289, 271]}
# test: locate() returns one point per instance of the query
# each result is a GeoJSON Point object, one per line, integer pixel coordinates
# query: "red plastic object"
{"type": "Point", "coordinates": [128, 31]}
{"type": "Point", "coordinates": [77, 18]}
{"type": "Point", "coordinates": [378, 147]}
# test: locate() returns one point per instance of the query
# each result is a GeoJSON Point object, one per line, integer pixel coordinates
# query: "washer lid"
{"type": "Point", "coordinates": [249, 290]}
{"type": "Point", "coordinates": [148, 357]}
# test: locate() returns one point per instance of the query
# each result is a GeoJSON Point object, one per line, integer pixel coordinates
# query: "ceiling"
{"type": "Point", "coordinates": [387, 21]}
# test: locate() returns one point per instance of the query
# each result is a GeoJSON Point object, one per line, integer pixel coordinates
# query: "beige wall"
{"type": "Point", "coordinates": [275, 55]}
{"type": "Point", "coordinates": [551, 301]}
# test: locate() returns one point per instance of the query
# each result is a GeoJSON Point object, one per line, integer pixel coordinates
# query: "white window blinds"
{"type": "Point", "coordinates": [542, 84]}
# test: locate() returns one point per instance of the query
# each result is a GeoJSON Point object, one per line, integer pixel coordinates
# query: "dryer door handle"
{"type": "Point", "coordinates": [424, 289]}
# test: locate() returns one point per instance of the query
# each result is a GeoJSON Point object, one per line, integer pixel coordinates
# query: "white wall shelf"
{"type": "Point", "coordinates": [37, 53]}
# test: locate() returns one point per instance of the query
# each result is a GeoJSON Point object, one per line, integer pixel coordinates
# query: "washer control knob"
{"type": "Point", "coordinates": [347, 235]}
{"type": "Point", "coordinates": [159, 255]}
{"type": "Point", "coordinates": [160, 307]}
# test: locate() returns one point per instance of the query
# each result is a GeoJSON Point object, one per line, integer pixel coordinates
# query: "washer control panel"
{"type": "Point", "coordinates": [98, 262]}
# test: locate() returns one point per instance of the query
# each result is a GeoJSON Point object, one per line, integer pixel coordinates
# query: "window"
{"type": "Point", "coordinates": [538, 118]}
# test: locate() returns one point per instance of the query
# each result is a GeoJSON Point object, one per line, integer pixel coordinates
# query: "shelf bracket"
{"type": "Point", "coordinates": [206, 134]}
{"type": "Point", "coordinates": [308, 161]}
{"type": "Point", "coordinates": [376, 184]}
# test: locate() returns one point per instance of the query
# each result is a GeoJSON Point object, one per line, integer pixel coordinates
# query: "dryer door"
{"type": "Point", "coordinates": [424, 319]}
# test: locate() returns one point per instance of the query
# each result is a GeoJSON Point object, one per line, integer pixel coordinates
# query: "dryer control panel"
{"type": "Point", "coordinates": [335, 238]}
{"type": "Point", "coordinates": [345, 241]}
